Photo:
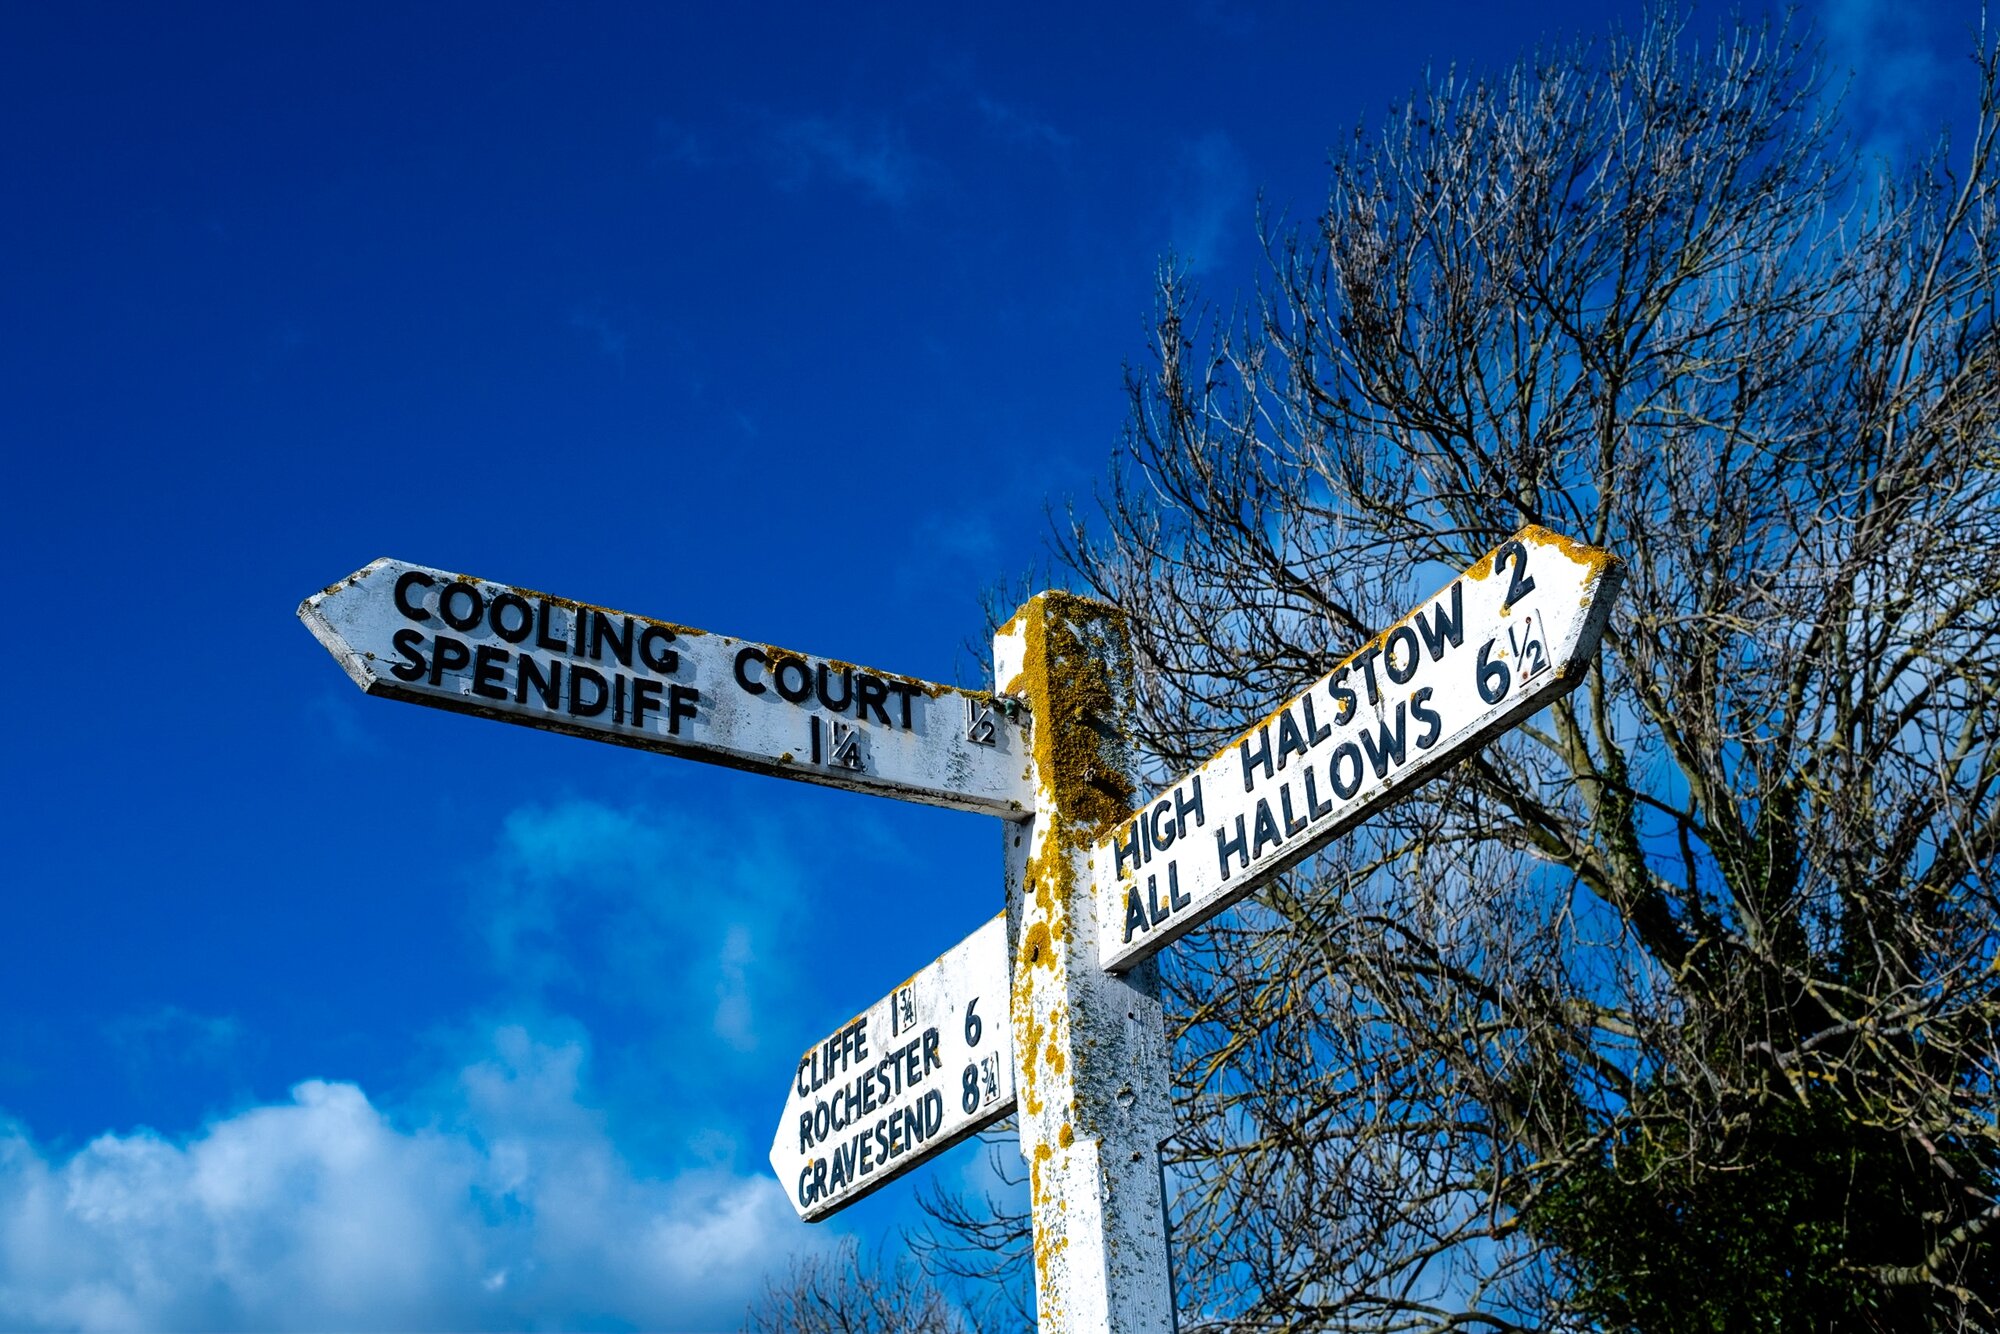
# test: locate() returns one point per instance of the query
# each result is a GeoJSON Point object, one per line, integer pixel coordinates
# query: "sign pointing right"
{"type": "Point", "coordinates": [1512, 633]}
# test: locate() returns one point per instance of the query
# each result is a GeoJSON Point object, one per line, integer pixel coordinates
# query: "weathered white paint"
{"type": "Point", "coordinates": [681, 691]}
{"type": "Point", "coordinates": [912, 1075]}
{"type": "Point", "coordinates": [1509, 635]}
{"type": "Point", "coordinates": [1091, 1047]}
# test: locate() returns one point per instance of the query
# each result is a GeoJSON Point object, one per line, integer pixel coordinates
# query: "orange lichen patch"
{"type": "Point", "coordinates": [1066, 1136]}
{"type": "Point", "coordinates": [1050, 1238]}
{"type": "Point", "coordinates": [1596, 561]}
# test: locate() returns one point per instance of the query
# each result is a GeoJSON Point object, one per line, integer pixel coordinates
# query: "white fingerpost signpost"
{"type": "Point", "coordinates": [1051, 1009]}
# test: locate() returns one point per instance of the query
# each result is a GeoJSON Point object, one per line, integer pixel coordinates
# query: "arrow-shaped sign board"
{"type": "Point", "coordinates": [1512, 633]}
{"type": "Point", "coordinates": [918, 1071]}
{"type": "Point", "coordinates": [457, 642]}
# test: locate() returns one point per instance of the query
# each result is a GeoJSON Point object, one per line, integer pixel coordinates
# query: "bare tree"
{"type": "Point", "coordinates": [840, 1292]}
{"type": "Point", "coordinates": [1677, 1008]}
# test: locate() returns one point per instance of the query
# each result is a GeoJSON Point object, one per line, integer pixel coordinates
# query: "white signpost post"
{"type": "Point", "coordinates": [1052, 1008]}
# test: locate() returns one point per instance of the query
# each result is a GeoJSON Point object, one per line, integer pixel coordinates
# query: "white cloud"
{"type": "Point", "coordinates": [875, 157]}
{"type": "Point", "coordinates": [502, 1204]}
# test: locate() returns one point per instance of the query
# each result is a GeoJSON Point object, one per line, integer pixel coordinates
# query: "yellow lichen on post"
{"type": "Point", "coordinates": [1090, 1048]}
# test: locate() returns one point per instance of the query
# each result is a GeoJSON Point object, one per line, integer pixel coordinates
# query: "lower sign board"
{"type": "Point", "coordinates": [456, 642]}
{"type": "Point", "coordinates": [1506, 637]}
{"type": "Point", "coordinates": [914, 1074]}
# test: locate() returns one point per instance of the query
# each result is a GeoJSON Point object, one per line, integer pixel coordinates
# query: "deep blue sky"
{"type": "Point", "coordinates": [784, 321]}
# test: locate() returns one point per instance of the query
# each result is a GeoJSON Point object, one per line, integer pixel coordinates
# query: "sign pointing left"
{"type": "Point", "coordinates": [456, 642]}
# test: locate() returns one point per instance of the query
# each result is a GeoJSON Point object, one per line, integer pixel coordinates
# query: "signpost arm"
{"type": "Point", "coordinates": [1090, 1047]}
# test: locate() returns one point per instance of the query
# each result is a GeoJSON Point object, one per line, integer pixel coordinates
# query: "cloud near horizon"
{"type": "Point", "coordinates": [486, 1189]}
{"type": "Point", "coordinates": [501, 1203]}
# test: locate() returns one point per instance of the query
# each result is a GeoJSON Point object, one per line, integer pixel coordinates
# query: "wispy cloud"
{"type": "Point", "coordinates": [681, 144]}
{"type": "Point", "coordinates": [335, 722]}
{"type": "Point", "coordinates": [610, 339]}
{"type": "Point", "coordinates": [500, 1204]}
{"type": "Point", "coordinates": [647, 910]}
{"type": "Point", "coordinates": [1019, 127]}
{"type": "Point", "coordinates": [874, 157]}
{"type": "Point", "coordinates": [167, 1035]}
{"type": "Point", "coordinates": [1210, 200]}
{"type": "Point", "coordinates": [1898, 65]}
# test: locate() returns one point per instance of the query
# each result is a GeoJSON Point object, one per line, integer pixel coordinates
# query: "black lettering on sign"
{"type": "Point", "coordinates": [1345, 701]}
{"type": "Point", "coordinates": [1316, 731]}
{"type": "Point", "coordinates": [1421, 710]}
{"type": "Point", "coordinates": [791, 690]}
{"type": "Point", "coordinates": [549, 687]}
{"type": "Point", "coordinates": [1255, 759]}
{"type": "Point", "coordinates": [843, 744]}
{"type": "Point", "coordinates": [1344, 754]}
{"type": "Point", "coordinates": [1291, 741]}
{"type": "Point", "coordinates": [1135, 913]}
{"type": "Point", "coordinates": [1385, 748]}
{"type": "Point", "coordinates": [1265, 826]}
{"type": "Point", "coordinates": [496, 616]}
{"type": "Point", "coordinates": [620, 640]}
{"type": "Point", "coordinates": [599, 695]}
{"type": "Point", "coordinates": [1190, 804]}
{"type": "Point", "coordinates": [1520, 583]}
{"type": "Point", "coordinates": [653, 651]}
{"type": "Point", "coordinates": [870, 692]}
{"type": "Point", "coordinates": [645, 698]}
{"type": "Point", "coordinates": [1444, 627]}
{"type": "Point", "coordinates": [981, 727]}
{"type": "Point", "coordinates": [475, 605]}
{"type": "Point", "coordinates": [744, 657]}
{"type": "Point", "coordinates": [1412, 655]}
{"type": "Point", "coordinates": [1366, 659]}
{"type": "Point", "coordinates": [1123, 849]}
{"type": "Point", "coordinates": [1294, 825]}
{"type": "Point", "coordinates": [1316, 809]}
{"type": "Point", "coordinates": [1238, 844]}
{"type": "Point", "coordinates": [1175, 899]}
{"type": "Point", "coordinates": [412, 579]}
{"type": "Point", "coordinates": [545, 638]}
{"type": "Point", "coordinates": [489, 670]}
{"type": "Point", "coordinates": [846, 689]}
{"type": "Point", "coordinates": [905, 692]}
{"type": "Point", "coordinates": [449, 655]}
{"type": "Point", "coordinates": [681, 701]}
{"type": "Point", "coordinates": [410, 644]}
